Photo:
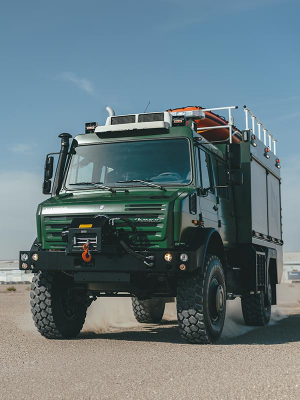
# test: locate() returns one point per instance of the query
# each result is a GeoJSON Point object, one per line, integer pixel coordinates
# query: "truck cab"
{"type": "Point", "coordinates": [145, 206]}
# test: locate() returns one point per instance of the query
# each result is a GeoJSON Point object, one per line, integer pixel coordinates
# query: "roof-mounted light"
{"type": "Point", "coordinates": [90, 127]}
{"type": "Point", "coordinates": [192, 114]}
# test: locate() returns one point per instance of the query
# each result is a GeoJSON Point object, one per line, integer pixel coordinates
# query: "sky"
{"type": "Point", "coordinates": [63, 61]}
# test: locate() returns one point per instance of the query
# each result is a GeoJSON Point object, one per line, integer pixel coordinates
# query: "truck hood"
{"type": "Point", "coordinates": [94, 201]}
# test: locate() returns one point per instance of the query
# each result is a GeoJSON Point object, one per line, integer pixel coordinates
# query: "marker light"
{"type": "Point", "coordinates": [253, 138]}
{"type": "Point", "coordinates": [24, 266]}
{"type": "Point", "coordinates": [277, 163]}
{"type": "Point", "coordinates": [266, 153]}
{"type": "Point", "coordinates": [35, 257]}
{"type": "Point", "coordinates": [184, 257]}
{"type": "Point", "coordinates": [168, 257]}
{"type": "Point", "coordinates": [182, 267]}
{"type": "Point", "coordinates": [24, 257]}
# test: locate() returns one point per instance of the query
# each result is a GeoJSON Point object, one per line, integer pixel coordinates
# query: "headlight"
{"type": "Point", "coordinates": [184, 257]}
{"type": "Point", "coordinates": [35, 257]}
{"type": "Point", "coordinates": [24, 257]}
{"type": "Point", "coordinates": [168, 257]}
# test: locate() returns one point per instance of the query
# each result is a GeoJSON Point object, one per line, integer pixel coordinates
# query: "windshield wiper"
{"type": "Point", "coordinates": [147, 183]}
{"type": "Point", "coordinates": [98, 185]}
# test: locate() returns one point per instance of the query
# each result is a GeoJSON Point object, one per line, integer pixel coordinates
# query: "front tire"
{"type": "Point", "coordinates": [201, 303]}
{"type": "Point", "coordinates": [148, 311]}
{"type": "Point", "coordinates": [57, 312]}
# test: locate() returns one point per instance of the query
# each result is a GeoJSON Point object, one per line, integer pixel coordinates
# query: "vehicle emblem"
{"type": "Point", "coordinates": [101, 207]}
{"type": "Point", "coordinates": [147, 220]}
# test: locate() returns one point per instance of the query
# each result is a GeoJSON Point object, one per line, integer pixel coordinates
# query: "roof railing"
{"type": "Point", "coordinates": [255, 121]}
{"type": "Point", "coordinates": [230, 120]}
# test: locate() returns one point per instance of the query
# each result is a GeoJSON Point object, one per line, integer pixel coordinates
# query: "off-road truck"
{"type": "Point", "coordinates": [146, 207]}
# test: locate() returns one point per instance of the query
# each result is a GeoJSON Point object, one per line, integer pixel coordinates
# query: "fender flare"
{"type": "Point", "coordinates": [206, 241]}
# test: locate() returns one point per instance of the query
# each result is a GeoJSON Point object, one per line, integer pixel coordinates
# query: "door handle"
{"type": "Point", "coordinates": [215, 208]}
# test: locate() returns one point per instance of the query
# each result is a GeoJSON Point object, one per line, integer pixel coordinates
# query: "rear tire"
{"type": "Point", "coordinates": [201, 303]}
{"type": "Point", "coordinates": [256, 308]}
{"type": "Point", "coordinates": [57, 312]}
{"type": "Point", "coordinates": [148, 311]}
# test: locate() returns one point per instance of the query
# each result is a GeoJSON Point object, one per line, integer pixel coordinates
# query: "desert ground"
{"type": "Point", "coordinates": [116, 358]}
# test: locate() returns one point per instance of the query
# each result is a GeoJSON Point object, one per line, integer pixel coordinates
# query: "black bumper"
{"type": "Point", "coordinates": [126, 263]}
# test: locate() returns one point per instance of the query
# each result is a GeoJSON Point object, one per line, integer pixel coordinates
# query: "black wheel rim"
{"type": "Point", "coordinates": [69, 304]}
{"type": "Point", "coordinates": [216, 300]}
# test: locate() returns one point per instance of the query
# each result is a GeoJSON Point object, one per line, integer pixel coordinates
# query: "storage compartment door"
{"type": "Point", "coordinates": [259, 198]}
{"type": "Point", "coordinates": [274, 207]}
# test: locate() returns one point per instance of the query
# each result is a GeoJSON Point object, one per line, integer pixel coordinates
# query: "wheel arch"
{"type": "Point", "coordinates": [208, 241]}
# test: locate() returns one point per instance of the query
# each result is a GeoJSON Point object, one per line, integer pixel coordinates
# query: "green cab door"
{"type": "Point", "coordinates": [207, 198]}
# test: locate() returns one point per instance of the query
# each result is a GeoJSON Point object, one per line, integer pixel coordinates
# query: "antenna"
{"type": "Point", "coordinates": [147, 107]}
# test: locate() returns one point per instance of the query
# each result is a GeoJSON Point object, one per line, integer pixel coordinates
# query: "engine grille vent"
{"type": "Point", "coordinates": [151, 117]}
{"type": "Point", "coordinates": [149, 220]}
{"type": "Point", "coordinates": [123, 119]}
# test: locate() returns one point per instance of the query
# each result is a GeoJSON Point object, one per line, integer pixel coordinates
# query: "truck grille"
{"type": "Point", "coordinates": [148, 218]}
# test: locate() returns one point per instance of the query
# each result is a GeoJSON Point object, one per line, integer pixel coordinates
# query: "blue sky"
{"type": "Point", "coordinates": [63, 61]}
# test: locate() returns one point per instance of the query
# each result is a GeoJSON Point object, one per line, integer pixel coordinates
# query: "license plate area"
{"type": "Point", "coordinates": [77, 237]}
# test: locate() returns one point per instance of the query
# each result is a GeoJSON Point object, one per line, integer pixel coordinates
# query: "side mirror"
{"type": "Point", "coordinates": [47, 187]}
{"type": "Point", "coordinates": [236, 177]}
{"type": "Point", "coordinates": [49, 168]}
{"type": "Point", "coordinates": [234, 156]}
{"type": "Point", "coordinates": [48, 173]}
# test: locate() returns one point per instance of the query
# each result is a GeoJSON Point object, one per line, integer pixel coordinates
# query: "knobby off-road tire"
{"type": "Point", "coordinates": [148, 311]}
{"type": "Point", "coordinates": [257, 308]}
{"type": "Point", "coordinates": [57, 312]}
{"type": "Point", "coordinates": [201, 303]}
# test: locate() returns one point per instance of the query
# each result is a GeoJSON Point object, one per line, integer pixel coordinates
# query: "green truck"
{"type": "Point", "coordinates": [145, 207]}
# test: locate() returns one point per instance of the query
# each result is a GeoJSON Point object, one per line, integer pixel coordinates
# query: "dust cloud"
{"type": "Point", "coordinates": [108, 314]}
{"type": "Point", "coordinates": [111, 314]}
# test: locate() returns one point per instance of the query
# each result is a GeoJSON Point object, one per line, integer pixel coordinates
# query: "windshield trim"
{"type": "Point", "coordinates": [126, 186]}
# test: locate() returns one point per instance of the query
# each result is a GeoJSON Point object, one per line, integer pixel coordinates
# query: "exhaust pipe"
{"type": "Point", "coordinates": [59, 176]}
{"type": "Point", "coordinates": [110, 111]}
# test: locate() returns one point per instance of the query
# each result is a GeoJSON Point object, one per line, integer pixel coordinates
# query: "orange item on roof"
{"type": "Point", "coordinates": [211, 120]}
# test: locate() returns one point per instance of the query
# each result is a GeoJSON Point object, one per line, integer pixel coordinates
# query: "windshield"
{"type": "Point", "coordinates": [164, 162]}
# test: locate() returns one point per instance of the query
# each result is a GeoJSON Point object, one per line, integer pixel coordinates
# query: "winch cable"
{"type": "Point", "coordinates": [135, 234]}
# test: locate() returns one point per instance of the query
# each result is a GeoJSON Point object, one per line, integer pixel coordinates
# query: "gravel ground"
{"type": "Point", "coordinates": [147, 362]}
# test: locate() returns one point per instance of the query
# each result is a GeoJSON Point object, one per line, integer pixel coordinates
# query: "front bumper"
{"type": "Point", "coordinates": [126, 263]}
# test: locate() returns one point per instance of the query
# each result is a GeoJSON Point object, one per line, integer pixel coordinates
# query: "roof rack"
{"type": "Point", "coordinates": [254, 119]}
{"type": "Point", "coordinates": [230, 120]}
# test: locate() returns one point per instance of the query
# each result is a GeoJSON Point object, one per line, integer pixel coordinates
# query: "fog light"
{"type": "Point", "coordinates": [168, 257]}
{"type": "Point", "coordinates": [24, 257]}
{"type": "Point", "coordinates": [182, 267]}
{"type": "Point", "coordinates": [184, 257]}
{"type": "Point", "coordinates": [24, 266]}
{"type": "Point", "coordinates": [35, 257]}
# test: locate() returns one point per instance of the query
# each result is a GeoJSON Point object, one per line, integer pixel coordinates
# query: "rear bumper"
{"type": "Point", "coordinates": [126, 263]}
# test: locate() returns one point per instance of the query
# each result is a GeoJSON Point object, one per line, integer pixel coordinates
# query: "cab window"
{"type": "Point", "coordinates": [206, 171]}
{"type": "Point", "coordinates": [221, 179]}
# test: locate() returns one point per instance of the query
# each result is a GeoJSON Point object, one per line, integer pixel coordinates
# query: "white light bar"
{"type": "Point", "coordinates": [132, 127]}
{"type": "Point", "coordinates": [193, 114]}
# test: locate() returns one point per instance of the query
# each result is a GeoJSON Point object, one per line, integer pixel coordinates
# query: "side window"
{"type": "Point", "coordinates": [221, 179]}
{"type": "Point", "coordinates": [206, 173]}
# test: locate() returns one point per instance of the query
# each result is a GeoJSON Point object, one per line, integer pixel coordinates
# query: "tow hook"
{"type": "Point", "coordinates": [86, 255]}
